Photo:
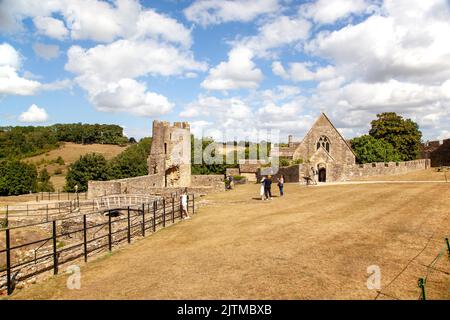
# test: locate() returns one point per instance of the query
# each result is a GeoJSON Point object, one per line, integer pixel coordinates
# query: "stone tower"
{"type": "Point", "coordinates": [169, 162]}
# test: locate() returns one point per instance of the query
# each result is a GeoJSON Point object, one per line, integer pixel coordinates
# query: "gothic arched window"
{"type": "Point", "coordinates": [324, 142]}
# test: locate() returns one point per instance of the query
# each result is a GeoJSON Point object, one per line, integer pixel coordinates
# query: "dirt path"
{"type": "Point", "coordinates": [314, 243]}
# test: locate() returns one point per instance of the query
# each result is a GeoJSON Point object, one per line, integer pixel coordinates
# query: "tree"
{"type": "Point", "coordinates": [403, 134]}
{"type": "Point", "coordinates": [89, 167]}
{"type": "Point", "coordinates": [368, 149]}
{"type": "Point", "coordinates": [17, 177]}
{"type": "Point", "coordinates": [132, 162]}
{"type": "Point", "coordinates": [44, 184]}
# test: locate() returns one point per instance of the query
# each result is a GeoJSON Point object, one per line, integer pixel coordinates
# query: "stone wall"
{"type": "Point", "coordinates": [232, 172]}
{"type": "Point", "coordinates": [344, 173]}
{"type": "Point", "coordinates": [438, 152]}
{"type": "Point", "coordinates": [381, 168]}
{"type": "Point", "coordinates": [216, 182]}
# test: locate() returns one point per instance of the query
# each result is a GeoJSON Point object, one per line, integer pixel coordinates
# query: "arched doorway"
{"type": "Point", "coordinates": [322, 175]}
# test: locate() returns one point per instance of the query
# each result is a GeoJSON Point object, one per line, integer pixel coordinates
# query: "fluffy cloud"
{"type": "Point", "coordinates": [51, 27]}
{"type": "Point", "coordinates": [128, 95]}
{"type": "Point", "coordinates": [96, 20]}
{"type": "Point", "coordinates": [46, 51]}
{"type": "Point", "coordinates": [10, 81]}
{"type": "Point", "coordinates": [301, 71]}
{"type": "Point", "coordinates": [275, 33]}
{"type": "Point", "coordinates": [34, 114]}
{"type": "Point", "coordinates": [206, 12]}
{"type": "Point", "coordinates": [328, 12]}
{"type": "Point", "coordinates": [236, 73]}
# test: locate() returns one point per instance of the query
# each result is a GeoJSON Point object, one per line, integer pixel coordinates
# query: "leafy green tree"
{"type": "Point", "coordinates": [368, 149]}
{"type": "Point", "coordinates": [132, 162]}
{"type": "Point", "coordinates": [403, 134]}
{"type": "Point", "coordinates": [89, 167]}
{"type": "Point", "coordinates": [17, 177]}
{"type": "Point", "coordinates": [44, 184]}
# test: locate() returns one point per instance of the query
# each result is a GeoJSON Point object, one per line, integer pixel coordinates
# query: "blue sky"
{"type": "Point", "coordinates": [227, 67]}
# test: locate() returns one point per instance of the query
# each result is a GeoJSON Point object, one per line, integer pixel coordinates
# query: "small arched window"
{"type": "Point", "coordinates": [324, 142]}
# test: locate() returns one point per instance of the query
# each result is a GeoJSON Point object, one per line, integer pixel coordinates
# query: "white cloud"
{"type": "Point", "coordinates": [301, 71]}
{"type": "Point", "coordinates": [236, 73]}
{"type": "Point", "coordinates": [206, 12]}
{"type": "Point", "coordinates": [328, 12]}
{"type": "Point", "coordinates": [46, 51]}
{"type": "Point", "coordinates": [34, 114]}
{"type": "Point", "coordinates": [128, 95]}
{"type": "Point", "coordinates": [10, 81]}
{"type": "Point", "coordinates": [276, 33]}
{"type": "Point", "coordinates": [51, 27]}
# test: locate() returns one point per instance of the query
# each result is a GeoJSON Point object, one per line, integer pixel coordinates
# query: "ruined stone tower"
{"type": "Point", "coordinates": [169, 163]}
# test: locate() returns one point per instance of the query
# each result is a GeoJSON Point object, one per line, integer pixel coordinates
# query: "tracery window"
{"type": "Point", "coordinates": [324, 142]}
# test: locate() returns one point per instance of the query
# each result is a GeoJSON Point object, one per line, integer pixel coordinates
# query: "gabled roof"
{"type": "Point", "coordinates": [324, 116]}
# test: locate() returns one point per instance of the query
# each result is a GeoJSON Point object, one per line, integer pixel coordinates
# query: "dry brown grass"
{"type": "Point", "coordinates": [314, 243]}
{"type": "Point", "coordinates": [71, 152]}
{"type": "Point", "coordinates": [423, 175]}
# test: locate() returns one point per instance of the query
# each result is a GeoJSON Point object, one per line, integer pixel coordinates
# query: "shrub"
{"type": "Point", "coordinates": [89, 167]}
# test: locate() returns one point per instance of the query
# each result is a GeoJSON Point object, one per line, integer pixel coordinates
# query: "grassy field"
{"type": "Point", "coordinates": [70, 152]}
{"type": "Point", "coordinates": [314, 243]}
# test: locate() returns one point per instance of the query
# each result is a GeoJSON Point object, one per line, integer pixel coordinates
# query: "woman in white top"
{"type": "Point", "coordinates": [184, 205]}
{"type": "Point", "coordinates": [261, 191]}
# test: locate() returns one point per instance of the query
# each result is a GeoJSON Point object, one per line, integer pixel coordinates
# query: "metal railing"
{"type": "Point", "coordinates": [121, 224]}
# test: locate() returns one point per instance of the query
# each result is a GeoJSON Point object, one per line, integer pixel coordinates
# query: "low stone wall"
{"type": "Point", "coordinates": [381, 168]}
{"type": "Point", "coordinates": [344, 173]}
{"type": "Point", "coordinates": [203, 184]}
{"type": "Point", "coordinates": [232, 172]}
{"type": "Point", "coordinates": [214, 181]}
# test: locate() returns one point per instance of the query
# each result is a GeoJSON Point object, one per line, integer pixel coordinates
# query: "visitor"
{"type": "Point", "coordinates": [281, 185]}
{"type": "Point", "coordinates": [262, 192]}
{"type": "Point", "coordinates": [184, 205]}
{"type": "Point", "coordinates": [313, 176]}
{"type": "Point", "coordinates": [267, 187]}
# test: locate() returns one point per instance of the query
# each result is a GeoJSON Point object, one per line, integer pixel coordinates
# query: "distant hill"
{"type": "Point", "coordinates": [69, 153]}
{"type": "Point", "coordinates": [21, 142]}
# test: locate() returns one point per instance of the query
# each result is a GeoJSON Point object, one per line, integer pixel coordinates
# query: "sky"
{"type": "Point", "coordinates": [230, 68]}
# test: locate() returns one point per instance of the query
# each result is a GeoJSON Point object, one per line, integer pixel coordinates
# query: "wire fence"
{"type": "Point", "coordinates": [82, 236]}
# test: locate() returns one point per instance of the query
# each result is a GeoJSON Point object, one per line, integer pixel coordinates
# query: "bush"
{"type": "Point", "coordinates": [58, 171]}
{"type": "Point", "coordinates": [89, 167]}
{"type": "Point", "coordinates": [44, 184]}
{"type": "Point", "coordinates": [60, 161]}
{"type": "Point", "coordinates": [17, 177]}
{"type": "Point", "coordinates": [284, 162]}
{"type": "Point", "coordinates": [238, 178]}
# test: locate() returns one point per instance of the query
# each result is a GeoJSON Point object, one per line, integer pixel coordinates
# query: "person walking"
{"type": "Point", "coordinates": [267, 187]}
{"type": "Point", "coordinates": [281, 185]}
{"type": "Point", "coordinates": [184, 205]}
{"type": "Point", "coordinates": [313, 175]}
{"type": "Point", "coordinates": [262, 192]}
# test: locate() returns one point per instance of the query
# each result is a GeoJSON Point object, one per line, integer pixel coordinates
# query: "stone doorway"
{"type": "Point", "coordinates": [322, 175]}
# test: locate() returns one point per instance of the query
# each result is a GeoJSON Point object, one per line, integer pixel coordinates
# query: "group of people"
{"type": "Point", "coordinates": [266, 187]}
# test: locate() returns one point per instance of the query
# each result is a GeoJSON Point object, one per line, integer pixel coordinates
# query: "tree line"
{"type": "Point", "coordinates": [26, 141]}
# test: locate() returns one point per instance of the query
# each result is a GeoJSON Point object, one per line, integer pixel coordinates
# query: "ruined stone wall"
{"type": "Point", "coordinates": [437, 152]}
{"type": "Point", "coordinates": [291, 174]}
{"type": "Point", "coordinates": [381, 168]}
{"type": "Point", "coordinates": [216, 182]}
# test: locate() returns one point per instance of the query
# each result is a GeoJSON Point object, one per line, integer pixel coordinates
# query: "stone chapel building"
{"type": "Point", "coordinates": [324, 149]}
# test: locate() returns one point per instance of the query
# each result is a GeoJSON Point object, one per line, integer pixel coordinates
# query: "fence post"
{"type": "Point", "coordinates": [193, 203]}
{"type": "Point", "coordinates": [27, 210]}
{"type": "Point", "coordinates": [109, 232]}
{"type": "Point", "coordinates": [143, 220]}
{"type": "Point", "coordinates": [181, 211]}
{"type": "Point", "coordinates": [7, 214]}
{"type": "Point", "coordinates": [187, 203]}
{"type": "Point", "coordinates": [46, 212]}
{"type": "Point", "coordinates": [173, 209]}
{"type": "Point", "coordinates": [85, 238]}
{"type": "Point", "coordinates": [129, 226]}
{"type": "Point", "coordinates": [154, 215]}
{"type": "Point", "coordinates": [55, 257]}
{"type": "Point", "coordinates": [164, 212]}
{"type": "Point", "coordinates": [8, 263]}
{"type": "Point", "coordinates": [422, 287]}
{"type": "Point", "coordinates": [448, 247]}
{"type": "Point", "coordinates": [58, 195]}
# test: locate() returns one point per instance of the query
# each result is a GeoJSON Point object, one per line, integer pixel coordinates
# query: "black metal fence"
{"type": "Point", "coordinates": [86, 236]}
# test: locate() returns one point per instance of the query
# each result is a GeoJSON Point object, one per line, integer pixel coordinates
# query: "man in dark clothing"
{"type": "Point", "coordinates": [267, 187]}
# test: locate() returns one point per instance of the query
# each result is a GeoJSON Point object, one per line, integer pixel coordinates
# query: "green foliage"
{"type": "Point", "coordinates": [44, 184]}
{"type": "Point", "coordinates": [368, 149]}
{"type": "Point", "coordinates": [284, 162]}
{"type": "Point", "coordinates": [17, 177]}
{"type": "Point", "coordinates": [58, 171]}
{"type": "Point", "coordinates": [89, 167]}
{"type": "Point", "coordinates": [403, 134]}
{"type": "Point", "coordinates": [21, 142]}
{"type": "Point", "coordinates": [238, 178]}
{"type": "Point", "coordinates": [60, 161]}
{"type": "Point", "coordinates": [132, 162]}
{"type": "Point", "coordinates": [296, 161]}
